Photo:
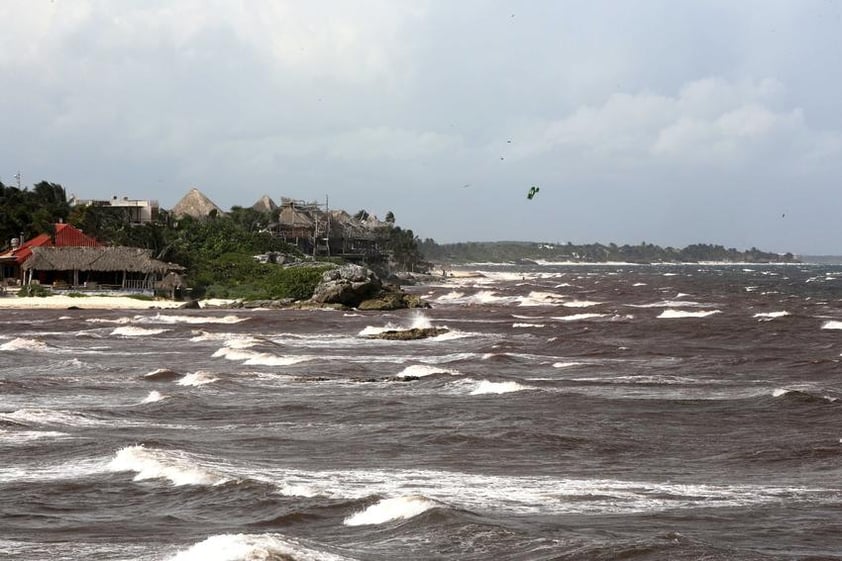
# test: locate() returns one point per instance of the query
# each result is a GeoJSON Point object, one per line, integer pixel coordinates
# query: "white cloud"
{"type": "Point", "coordinates": [710, 121]}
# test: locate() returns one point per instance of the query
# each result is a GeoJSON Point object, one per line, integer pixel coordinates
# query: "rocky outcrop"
{"type": "Point", "coordinates": [410, 334]}
{"type": "Point", "coordinates": [357, 287]}
{"type": "Point", "coordinates": [392, 298]}
{"type": "Point", "coordinates": [348, 285]}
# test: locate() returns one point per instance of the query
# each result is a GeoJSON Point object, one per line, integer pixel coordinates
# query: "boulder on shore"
{"type": "Point", "coordinates": [358, 287]}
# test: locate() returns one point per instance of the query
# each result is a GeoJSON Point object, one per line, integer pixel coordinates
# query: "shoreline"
{"type": "Point", "coordinates": [11, 301]}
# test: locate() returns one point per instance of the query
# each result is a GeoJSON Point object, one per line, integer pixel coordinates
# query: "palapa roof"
{"type": "Point", "coordinates": [264, 203]}
{"type": "Point", "coordinates": [130, 259]}
{"type": "Point", "coordinates": [293, 216]}
{"type": "Point", "coordinates": [195, 204]}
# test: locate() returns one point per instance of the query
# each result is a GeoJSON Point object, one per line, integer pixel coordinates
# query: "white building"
{"type": "Point", "coordinates": [138, 212]}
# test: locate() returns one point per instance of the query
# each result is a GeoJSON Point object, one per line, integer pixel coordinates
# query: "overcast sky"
{"type": "Point", "coordinates": [670, 122]}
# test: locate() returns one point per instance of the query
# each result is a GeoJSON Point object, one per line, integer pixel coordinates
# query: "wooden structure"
{"type": "Point", "coordinates": [118, 268]}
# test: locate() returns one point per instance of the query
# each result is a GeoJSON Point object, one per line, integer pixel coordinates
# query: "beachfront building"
{"type": "Point", "coordinates": [64, 235]}
{"type": "Point", "coordinates": [98, 268]}
{"type": "Point", "coordinates": [134, 211]}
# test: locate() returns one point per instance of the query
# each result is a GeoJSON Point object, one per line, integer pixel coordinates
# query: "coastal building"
{"type": "Point", "coordinates": [134, 211]}
{"type": "Point", "coordinates": [64, 235]}
{"type": "Point", "coordinates": [109, 268]}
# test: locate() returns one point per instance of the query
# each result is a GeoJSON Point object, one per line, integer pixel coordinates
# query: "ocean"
{"type": "Point", "coordinates": [570, 412]}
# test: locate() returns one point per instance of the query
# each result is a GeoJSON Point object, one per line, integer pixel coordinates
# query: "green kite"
{"type": "Point", "coordinates": [532, 192]}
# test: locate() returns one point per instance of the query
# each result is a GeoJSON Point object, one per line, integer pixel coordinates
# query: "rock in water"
{"type": "Point", "coordinates": [348, 285]}
{"type": "Point", "coordinates": [410, 334]}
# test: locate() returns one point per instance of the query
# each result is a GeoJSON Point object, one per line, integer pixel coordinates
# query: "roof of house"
{"type": "Point", "coordinates": [195, 204]}
{"type": "Point", "coordinates": [264, 203]}
{"type": "Point", "coordinates": [131, 259]}
{"type": "Point", "coordinates": [66, 235]}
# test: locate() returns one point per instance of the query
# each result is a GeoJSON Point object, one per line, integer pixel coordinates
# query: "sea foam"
{"type": "Point", "coordinates": [387, 510]}
{"type": "Point", "coordinates": [25, 344]}
{"type": "Point", "coordinates": [832, 325]}
{"type": "Point", "coordinates": [766, 316]}
{"type": "Point", "coordinates": [133, 331]}
{"type": "Point", "coordinates": [673, 314]}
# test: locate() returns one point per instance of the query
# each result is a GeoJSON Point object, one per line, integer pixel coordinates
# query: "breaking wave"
{"type": "Point", "coordinates": [387, 510]}
{"type": "Point", "coordinates": [177, 467]}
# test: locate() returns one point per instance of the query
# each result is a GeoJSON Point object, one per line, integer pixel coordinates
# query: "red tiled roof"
{"type": "Point", "coordinates": [66, 236]}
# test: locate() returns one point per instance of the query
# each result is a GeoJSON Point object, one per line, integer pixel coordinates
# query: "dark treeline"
{"type": "Point", "coordinates": [512, 252]}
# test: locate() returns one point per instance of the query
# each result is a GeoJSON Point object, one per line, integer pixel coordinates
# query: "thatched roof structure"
{"type": "Point", "coordinates": [195, 204]}
{"type": "Point", "coordinates": [264, 204]}
{"type": "Point", "coordinates": [130, 259]}
{"type": "Point", "coordinates": [343, 224]}
{"type": "Point", "coordinates": [292, 216]}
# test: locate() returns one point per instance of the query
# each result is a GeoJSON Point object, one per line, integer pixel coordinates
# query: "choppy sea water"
{"type": "Point", "coordinates": [571, 412]}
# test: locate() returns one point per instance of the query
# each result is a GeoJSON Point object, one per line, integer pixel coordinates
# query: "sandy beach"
{"type": "Point", "coordinates": [59, 302]}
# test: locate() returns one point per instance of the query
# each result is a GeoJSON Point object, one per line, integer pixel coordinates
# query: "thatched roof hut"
{"type": "Point", "coordinates": [195, 204]}
{"type": "Point", "coordinates": [265, 204]}
{"type": "Point", "coordinates": [109, 259]}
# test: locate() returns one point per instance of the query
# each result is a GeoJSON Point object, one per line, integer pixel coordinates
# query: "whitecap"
{"type": "Point", "coordinates": [49, 417]}
{"type": "Point", "coordinates": [387, 510]}
{"type": "Point", "coordinates": [177, 467]}
{"type": "Point", "coordinates": [486, 387]}
{"type": "Point", "coordinates": [672, 314]}
{"type": "Point", "coordinates": [198, 378]}
{"type": "Point", "coordinates": [581, 304]}
{"type": "Point", "coordinates": [176, 319]}
{"type": "Point", "coordinates": [536, 298]}
{"type": "Point", "coordinates": [527, 325]}
{"type": "Point", "coordinates": [266, 359]}
{"type": "Point", "coordinates": [832, 325]}
{"type": "Point", "coordinates": [566, 364]}
{"type": "Point", "coordinates": [577, 317]}
{"type": "Point", "coordinates": [252, 547]}
{"type": "Point", "coordinates": [153, 397]}
{"type": "Point", "coordinates": [25, 344]}
{"type": "Point", "coordinates": [421, 370]}
{"type": "Point", "coordinates": [133, 331]}
{"type": "Point", "coordinates": [766, 316]}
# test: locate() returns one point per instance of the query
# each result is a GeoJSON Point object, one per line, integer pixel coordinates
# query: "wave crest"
{"type": "Point", "coordinates": [177, 467]}
{"type": "Point", "coordinates": [386, 510]}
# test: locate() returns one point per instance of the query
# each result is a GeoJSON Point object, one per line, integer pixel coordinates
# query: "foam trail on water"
{"type": "Point", "coordinates": [576, 317]}
{"type": "Point", "coordinates": [766, 316]}
{"type": "Point", "coordinates": [673, 314]}
{"type": "Point", "coordinates": [397, 508]}
{"type": "Point", "coordinates": [132, 331]}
